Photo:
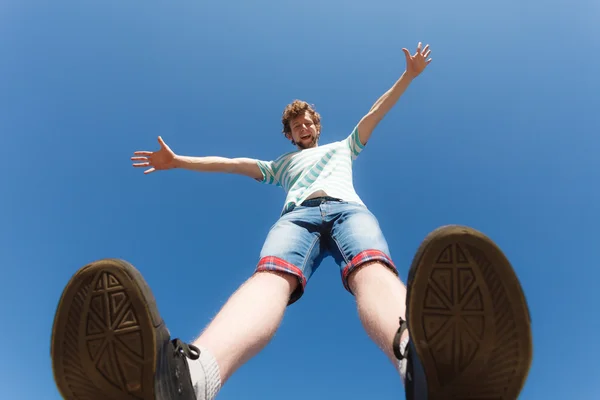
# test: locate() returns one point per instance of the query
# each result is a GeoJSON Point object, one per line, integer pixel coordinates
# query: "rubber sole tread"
{"type": "Point", "coordinates": [468, 317]}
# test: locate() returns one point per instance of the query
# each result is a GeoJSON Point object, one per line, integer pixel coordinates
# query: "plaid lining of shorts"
{"type": "Point", "coordinates": [364, 257]}
{"type": "Point", "coordinates": [271, 263]}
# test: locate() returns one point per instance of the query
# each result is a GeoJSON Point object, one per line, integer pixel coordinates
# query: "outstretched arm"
{"type": "Point", "coordinates": [165, 158]}
{"type": "Point", "coordinates": [241, 166]}
{"type": "Point", "coordinates": [414, 66]}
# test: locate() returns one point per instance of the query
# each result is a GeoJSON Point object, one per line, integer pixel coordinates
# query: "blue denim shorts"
{"type": "Point", "coordinates": [303, 237]}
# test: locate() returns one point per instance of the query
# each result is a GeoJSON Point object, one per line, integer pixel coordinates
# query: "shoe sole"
{"type": "Point", "coordinates": [106, 335]}
{"type": "Point", "coordinates": [468, 317]}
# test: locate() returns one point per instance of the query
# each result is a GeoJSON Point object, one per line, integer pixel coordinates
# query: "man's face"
{"type": "Point", "coordinates": [304, 132]}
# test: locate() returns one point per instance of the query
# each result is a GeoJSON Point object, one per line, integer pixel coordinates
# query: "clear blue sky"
{"type": "Point", "coordinates": [499, 133]}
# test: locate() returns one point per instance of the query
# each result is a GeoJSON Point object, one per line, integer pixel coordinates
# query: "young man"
{"type": "Point", "coordinates": [465, 310]}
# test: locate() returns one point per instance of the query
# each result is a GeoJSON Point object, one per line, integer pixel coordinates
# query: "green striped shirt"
{"type": "Point", "coordinates": [303, 172]}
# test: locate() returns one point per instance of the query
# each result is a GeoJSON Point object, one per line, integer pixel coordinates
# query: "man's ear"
{"type": "Point", "coordinates": [289, 137]}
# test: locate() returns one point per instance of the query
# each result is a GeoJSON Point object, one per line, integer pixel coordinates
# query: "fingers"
{"type": "Point", "coordinates": [143, 158]}
{"type": "Point", "coordinates": [144, 164]}
{"type": "Point", "coordinates": [425, 52]}
{"type": "Point", "coordinates": [145, 161]}
{"type": "Point", "coordinates": [421, 51]}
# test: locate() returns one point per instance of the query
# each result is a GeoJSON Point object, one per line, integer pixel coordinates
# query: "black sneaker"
{"type": "Point", "coordinates": [469, 324]}
{"type": "Point", "coordinates": [110, 343]}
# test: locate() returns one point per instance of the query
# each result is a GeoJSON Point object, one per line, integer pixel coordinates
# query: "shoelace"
{"type": "Point", "coordinates": [188, 350]}
{"type": "Point", "coordinates": [396, 345]}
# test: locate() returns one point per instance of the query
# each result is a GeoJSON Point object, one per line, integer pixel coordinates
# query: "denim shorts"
{"type": "Point", "coordinates": [302, 237]}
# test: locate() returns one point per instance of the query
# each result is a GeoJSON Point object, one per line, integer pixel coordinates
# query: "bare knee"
{"type": "Point", "coordinates": [372, 275]}
{"type": "Point", "coordinates": [276, 279]}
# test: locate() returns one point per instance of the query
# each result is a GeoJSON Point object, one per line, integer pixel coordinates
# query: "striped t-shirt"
{"type": "Point", "coordinates": [303, 172]}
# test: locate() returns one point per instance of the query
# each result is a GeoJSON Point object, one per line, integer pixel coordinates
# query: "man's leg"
{"type": "Point", "coordinates": [367, 270]}
{"type": "Point", "coordinates": [248, 320]}
{"type": "Point", "coordinates": [251, 316]}
{"type": "Point", "coordinates": [380, 298]}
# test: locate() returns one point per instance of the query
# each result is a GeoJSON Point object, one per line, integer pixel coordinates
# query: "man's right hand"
{"type": "Point", "coordinates": [157, 160]}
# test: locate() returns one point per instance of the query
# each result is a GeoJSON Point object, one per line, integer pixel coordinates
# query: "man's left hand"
{"type": "Point", "coordinates": [416, 63]}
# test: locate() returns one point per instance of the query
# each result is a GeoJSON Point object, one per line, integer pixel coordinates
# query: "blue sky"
{"type": "Point", "coordinates": [499, 133]}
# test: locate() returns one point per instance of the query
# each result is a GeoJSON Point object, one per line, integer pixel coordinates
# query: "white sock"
{"type": "Point", "coordinates": [205, 375]}
{"type": "Point", "coordinates": [401, 364]}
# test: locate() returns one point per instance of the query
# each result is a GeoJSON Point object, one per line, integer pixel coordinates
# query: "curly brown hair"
{"type": "Point", "coordinates": [295, 109]}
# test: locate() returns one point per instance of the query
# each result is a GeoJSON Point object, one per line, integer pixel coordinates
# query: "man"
{"type": "Point", "coordinates": [465, 310]}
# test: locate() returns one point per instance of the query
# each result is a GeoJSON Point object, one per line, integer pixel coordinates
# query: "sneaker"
{"type": "Point", "coordinates": [110, 343]}
{"type": "Point", "coordinates": [469, 323]}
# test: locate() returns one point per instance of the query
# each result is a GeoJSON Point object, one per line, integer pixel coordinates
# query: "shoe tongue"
{"type": "Point", "coordinates": [182, 378]}
{"type": "Point", "coordinates": [173, 374]}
